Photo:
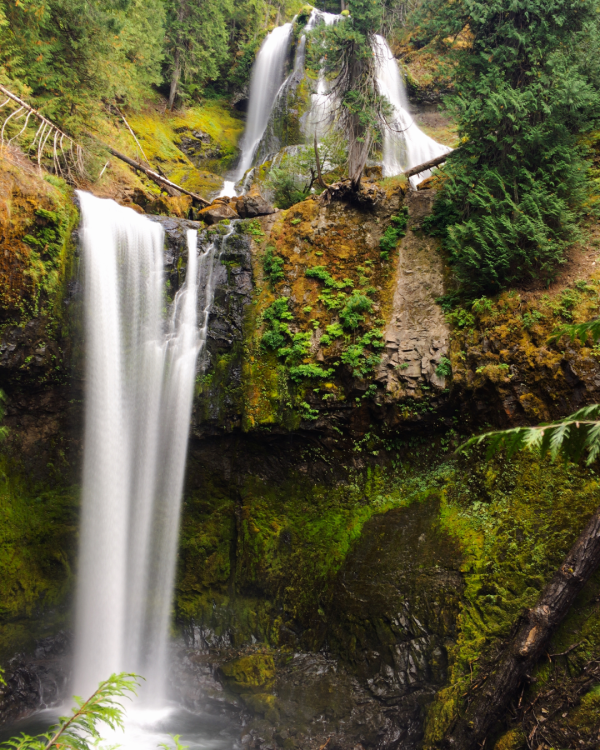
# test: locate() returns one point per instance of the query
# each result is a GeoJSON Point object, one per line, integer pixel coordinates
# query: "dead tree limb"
{"type": "Point", "coordinates": [155, 177]}
{"type": "Point", "coordinates": [527, 643]}
{"type": "Point", "coordinates": [34, 111]}
{"type": "Point", "coordinates": [133, 135]}
{"type": "Point", "coordinates": [426, 165]}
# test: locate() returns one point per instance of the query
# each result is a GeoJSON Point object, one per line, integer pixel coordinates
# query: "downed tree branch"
{"type": "Point", "coordinates": [45, 130]}
{"type": "Point", "coordinates": [527, 643]}
{"type": "Point", "coordinates": [133, 135]}
{"type": "Point", "coordinates": [155, 177]}
{"type": "Point", "coordinates": [427, 165]}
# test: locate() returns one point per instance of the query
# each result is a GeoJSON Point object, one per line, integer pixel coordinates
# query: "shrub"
{"type": "Point", "coordinates": [273, 266]}
{"type": "Point", "coordinates": [395, 231]}
{"type": "Point", "coordinates": [350, 314]}
{"type": "Point", "coordinates": [514, 190]}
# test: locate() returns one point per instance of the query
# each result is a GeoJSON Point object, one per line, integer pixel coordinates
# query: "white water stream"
{"type": "Point", "coordinates": [405, 145]}
{"type": "Point", "coordinates": [140, 372]}
{"type": "Point", "coordinates": [266, 80]}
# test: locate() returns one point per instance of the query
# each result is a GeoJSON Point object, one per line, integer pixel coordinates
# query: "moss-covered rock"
{"type": "Point", "coordinates": [251, 672]}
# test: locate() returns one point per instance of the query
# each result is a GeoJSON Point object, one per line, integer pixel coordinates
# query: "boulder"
{"type": "Point", "coordinates": [253, 204]}
{"type": "Point", "coordinates": [217, 212]}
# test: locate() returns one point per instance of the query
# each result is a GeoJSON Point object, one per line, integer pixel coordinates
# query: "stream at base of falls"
{"type": "Point", "coordinates": [148, 729]}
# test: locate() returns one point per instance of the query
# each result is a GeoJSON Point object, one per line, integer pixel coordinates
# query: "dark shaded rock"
{"type": "Point", "coordinates": [175, 248]}
{"type": "Point", "coordinates": [37, 681]}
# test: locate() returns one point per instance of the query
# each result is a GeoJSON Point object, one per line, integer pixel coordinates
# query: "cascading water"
{"type": "Point", "coordinates": [267, 77]}
{"type": "Point", "coordinates": [405, 145]}
{"type": "Point", "coordinates": [140, 372]}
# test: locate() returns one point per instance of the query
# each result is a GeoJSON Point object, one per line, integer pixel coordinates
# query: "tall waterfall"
{"type": "Point", "coordinates": [405, 145]}
{"type": "Point", "coordinates": [140, 372]}
{"type": "Point", "coordinates": [266, 80]}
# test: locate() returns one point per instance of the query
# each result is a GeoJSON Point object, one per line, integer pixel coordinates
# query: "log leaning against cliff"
{"type": "Point", "coordinates": [497, 685]}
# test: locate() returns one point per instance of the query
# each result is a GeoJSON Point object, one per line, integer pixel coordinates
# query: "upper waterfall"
{"type": "Point", "coordinates": [405, 145]}
{"type": "Point", "coordinates": [283, 113]}
{"type": "Point", "coordinates": [267, 77]}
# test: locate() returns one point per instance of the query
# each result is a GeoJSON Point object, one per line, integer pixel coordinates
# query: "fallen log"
{"type": "Point", "coordinates": [426, 165]}
{"type": "Point", "coordinates": [155, 177]}
{"type": "Point", "coordinates": [527, 643]}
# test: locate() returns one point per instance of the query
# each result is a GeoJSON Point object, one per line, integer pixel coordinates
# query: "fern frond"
{"type": "Point", "coordinates": [80, 731]}
{"type": "Point", "coordinates": [571, 437]}
{"type": "Point", "coordinates": [582, 331]}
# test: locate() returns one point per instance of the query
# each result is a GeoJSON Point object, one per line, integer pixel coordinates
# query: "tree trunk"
{"type": "Point", "coordinates": [171, 187]}
{"type": "Point", "coordinates": [176, 75]}
{"type": "Point", "coordinates": [498, 685]}
{"type": "Point", "coordinates": [359, 139]}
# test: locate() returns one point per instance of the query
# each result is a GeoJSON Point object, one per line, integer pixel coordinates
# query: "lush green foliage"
{"type": "Point", "coordinates": [67, 55]}
{"type": "Point", "coordinates": [273, 265]}
{"type": "Point", "coordinates": [573, 437]}
{"type": "Point", "coordinates": [72, 57]}
{"type": "Point", "coordinates": [80, 731]}
{"type": "Point", "coordinates": [526, 87]}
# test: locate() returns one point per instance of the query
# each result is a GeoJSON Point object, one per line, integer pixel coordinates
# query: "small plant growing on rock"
{"type": "Point", "coordinates": [350, 314]}
{"type": "Point", "coordinates": [395, 232]}
{"type": "Point", "coordinates": [444, 369]}
{"type": "Point", "coordinates": [273, 266]}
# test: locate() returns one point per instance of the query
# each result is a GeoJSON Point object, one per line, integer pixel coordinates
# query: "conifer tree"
{"type": "Point", "coordinates": [509, 207]}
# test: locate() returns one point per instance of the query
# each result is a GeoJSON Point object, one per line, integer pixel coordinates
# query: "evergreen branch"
{"type": "Point", "coordinates": [78, 731]}
{"type": "Point", "coordinates": [572, 437]}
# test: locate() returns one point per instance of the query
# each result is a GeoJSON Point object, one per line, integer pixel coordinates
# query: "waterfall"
{"type": "Point", "coordinates": [266, 80]}
{"type": "Point", "coordinates": [404, 144]}
{"type": "Point", "coordinates": [140, 373]}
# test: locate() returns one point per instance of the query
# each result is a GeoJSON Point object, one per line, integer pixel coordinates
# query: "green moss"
{"type": "Point", "coordinates": [249, 672]}
{"type": "Point", "coordinates": [162, 134]}
{"type": "Point", "coordinates": [515, 521]}
{"type": "Point", "coordinates": [37, 530]}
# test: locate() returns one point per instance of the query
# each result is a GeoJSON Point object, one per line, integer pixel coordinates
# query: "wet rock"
{"type": "Point", "coordinates": [216, 212]}
{"type": "Point", "coordinates": [37, 681]}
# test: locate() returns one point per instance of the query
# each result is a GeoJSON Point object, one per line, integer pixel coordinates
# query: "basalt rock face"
{"type": "Point", "coordinates": [417, 335]}
{"type": "Point", "coordinates": [380, 639]}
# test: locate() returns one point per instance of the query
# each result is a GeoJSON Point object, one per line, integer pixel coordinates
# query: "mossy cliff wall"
{"type": "Point", "coordinates": [324, 513]}
{"type": "Point", "coordinates": [38, 350]}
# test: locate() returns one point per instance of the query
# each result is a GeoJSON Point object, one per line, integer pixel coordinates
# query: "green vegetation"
{"type": "Point", "coordinates": [70, 58]}
{"type": "Point", "coordinates": [395, 232]}
{"type": "Point", "coordinates": [273, 265]}
{"type": "Point", "coordinates": [525, 92]}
